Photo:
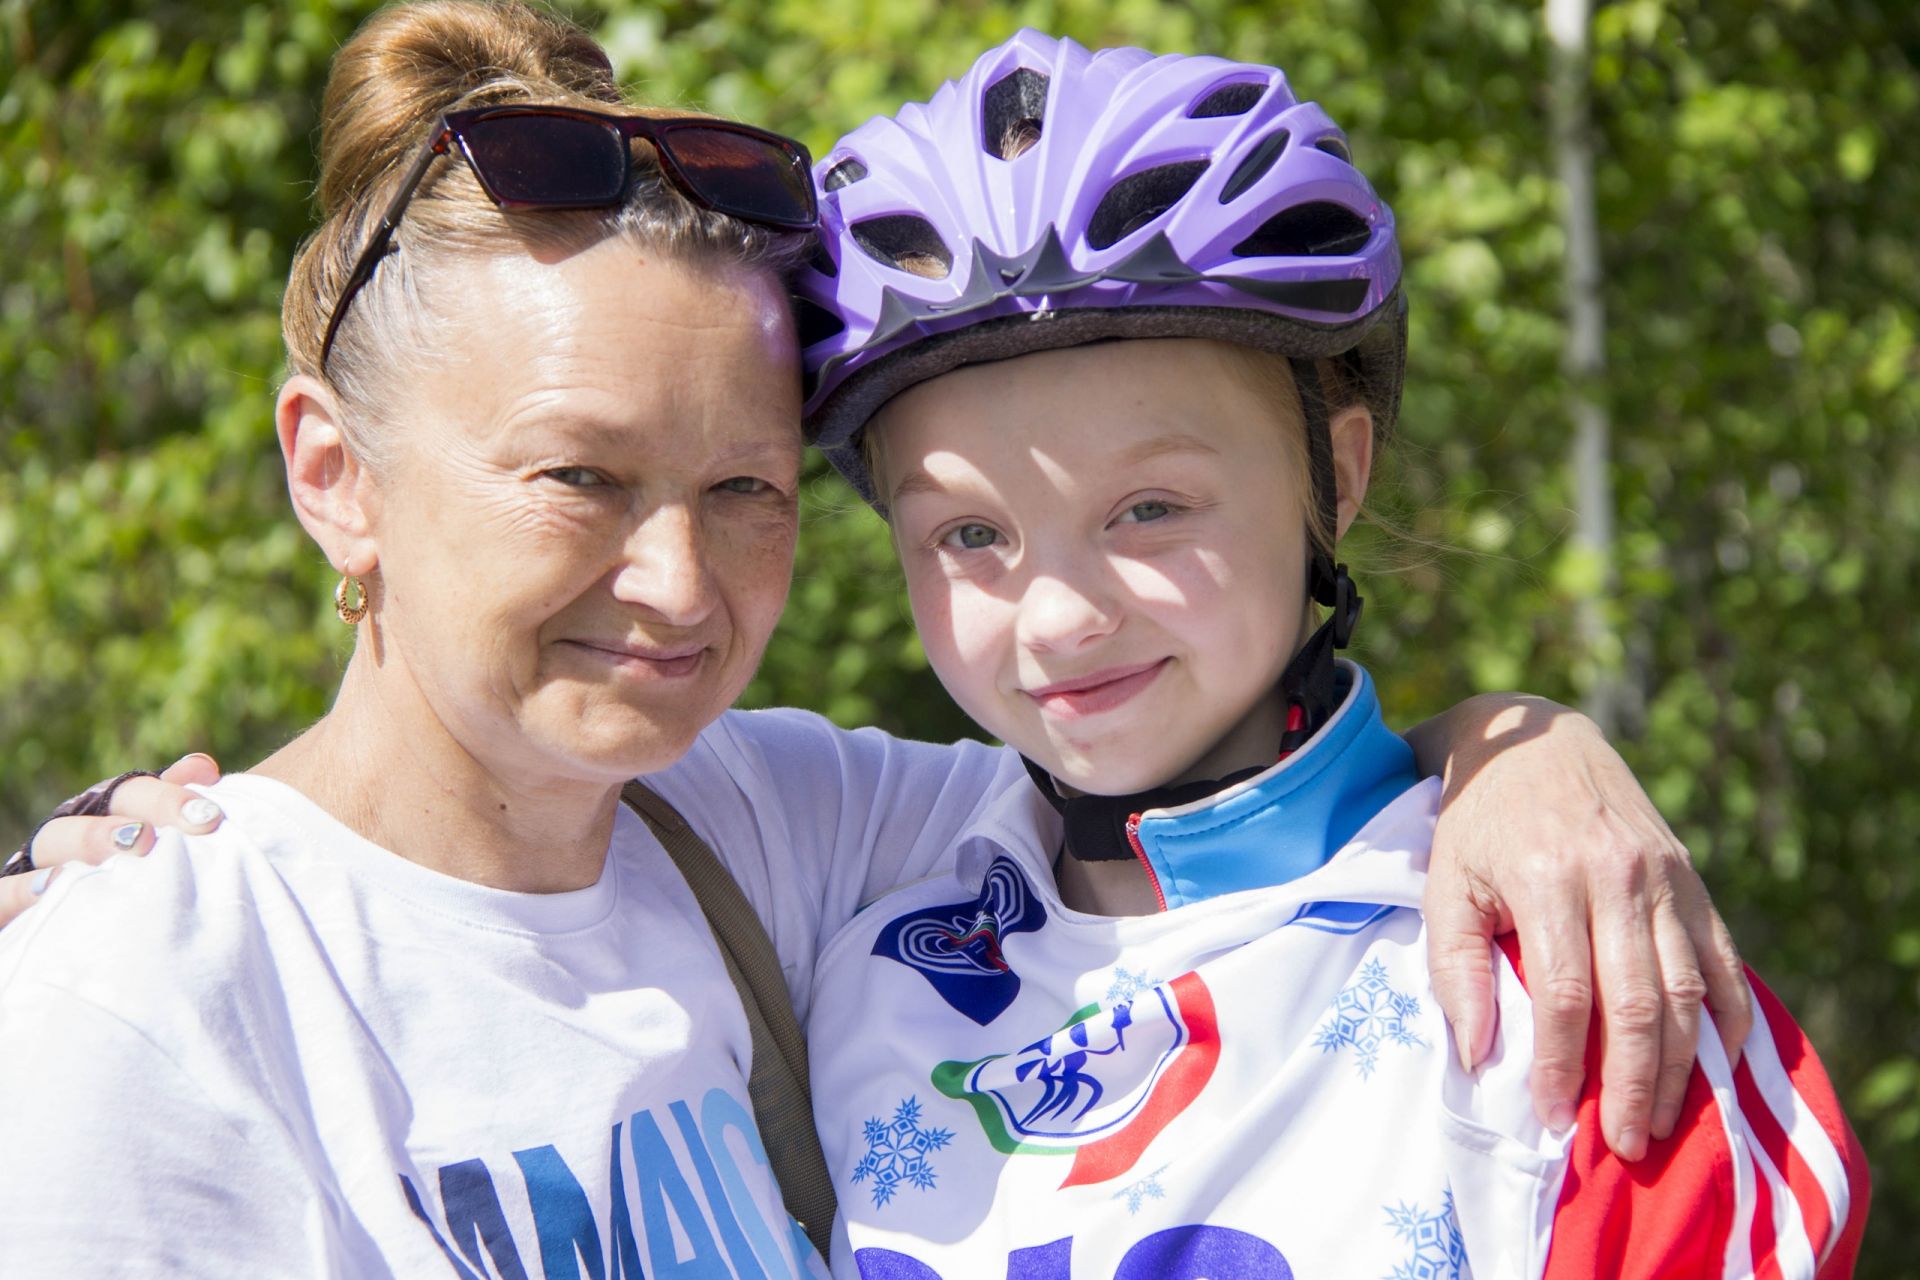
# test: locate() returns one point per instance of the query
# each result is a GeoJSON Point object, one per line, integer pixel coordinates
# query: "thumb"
{"type": "Point", "coordinates": [1460, 962]}
{"type": "Point", "coordinates": [190, 769]}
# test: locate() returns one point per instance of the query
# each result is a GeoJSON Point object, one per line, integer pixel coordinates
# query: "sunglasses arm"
{"type": "Point", "coordinates": [381, 242]}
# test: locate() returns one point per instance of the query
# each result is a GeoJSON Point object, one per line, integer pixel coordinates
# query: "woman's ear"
{"type": "Point", "coordinates": [332, 492]}
{"type": "Point", "coordinates": [1352, 431]}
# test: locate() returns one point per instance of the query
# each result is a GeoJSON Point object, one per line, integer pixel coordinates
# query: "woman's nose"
{"type": "Point", "coordinates": [666, 569]}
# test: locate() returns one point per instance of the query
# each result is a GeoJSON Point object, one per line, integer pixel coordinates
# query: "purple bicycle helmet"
{"type": "Point", "coordinates": [1172, 196]}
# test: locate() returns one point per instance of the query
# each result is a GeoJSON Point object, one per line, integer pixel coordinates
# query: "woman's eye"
{"type": "Point", "coordinates": [971, 537]}
{"type": "Point", "coordinates": [744, 484]}
{"type": "Point", "coordinates": [576, 477]}
{"type": "Point", "coordinates": [1142, 512]}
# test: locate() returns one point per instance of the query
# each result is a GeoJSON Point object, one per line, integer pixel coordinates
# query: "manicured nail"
{"type": "Point", "coordinates": [41, 879]}
{"type": "Point", "coordinates": [1560, 1116]}
{"type": "Point", "coordinates": [200, 812]}
{"type": "Point", "coordinates": [127, 835]}
{"type": "Point", "coordinates": [1460, 1047]}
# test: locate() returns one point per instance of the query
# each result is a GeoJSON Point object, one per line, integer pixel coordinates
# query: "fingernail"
{"type": "Point", "coordinates": [41, 879]}
{"type": "Point", "coordinates": [1633, 1144]}
{"type": "Point", "coordinates": [200, 812]}
{"type": "Point", "coordinates": [1460, 1047]}
{"type": "Point", "coordinates": [1560, 1116]}
{"type": "Point", "coordinates": [127, 835]}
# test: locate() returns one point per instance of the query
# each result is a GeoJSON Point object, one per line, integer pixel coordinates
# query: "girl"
{"type": "Point", "coordinates": [1111, 340]}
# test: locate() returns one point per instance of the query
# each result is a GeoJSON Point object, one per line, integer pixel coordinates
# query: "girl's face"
{"type": "Point", "coordinates": [1106, 552]}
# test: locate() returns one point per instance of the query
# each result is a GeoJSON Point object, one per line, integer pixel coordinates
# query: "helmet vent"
{"type": "Point", "coordinates": [1013, 111]}
{"type": "Point", "coordinates": [1318, 229]}
{"type": "Point", "coordinates": [815, 322]}
{"type": "Point", "coordinates": [844, 174]}
{"type": "Point", "coordinates": [907, 242]}
{"type": "Point", "coordinates": [1132, 203]}
{"type": "Point", "coordinates": [1336, 148]}
{"type": "Point", "coordinates": [1258, 161]}
{"type": "Point", "coordinates": [820, 260]}
{"type": "Point", "coordinates": [1229, 100]}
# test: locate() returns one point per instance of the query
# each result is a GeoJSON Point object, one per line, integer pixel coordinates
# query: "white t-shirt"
{"type": "Point", "coordinates": [279, 1050]}
{"type": "Point", "coordinates": [1258, 1083]}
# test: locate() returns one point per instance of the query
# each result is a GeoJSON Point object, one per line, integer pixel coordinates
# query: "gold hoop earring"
{"type": "Point", "coordinates": [350, 613]}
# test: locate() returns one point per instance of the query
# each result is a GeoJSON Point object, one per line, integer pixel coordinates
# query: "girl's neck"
{"type": "Point", "coordinates": [381, 764]}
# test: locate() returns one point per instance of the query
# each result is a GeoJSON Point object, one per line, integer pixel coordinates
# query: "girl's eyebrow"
{"type": "Point", "coordinates": [1158, 446]}
{"type": "Point", "coordinates": [915, 481]}
{"type": "Point", "coordinates": [919, 481]}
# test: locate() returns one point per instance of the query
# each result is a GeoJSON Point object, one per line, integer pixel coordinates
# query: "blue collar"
{"type": "Point", "coordinates": [1281, 824]}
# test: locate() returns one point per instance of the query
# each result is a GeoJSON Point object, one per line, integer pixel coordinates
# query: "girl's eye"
{"type": "Point", "coordinates": [744, 484]}
{"type": "Point", "coordinates": [971, 537]}
{"type": "Point", "coordinates": [1142, 512]}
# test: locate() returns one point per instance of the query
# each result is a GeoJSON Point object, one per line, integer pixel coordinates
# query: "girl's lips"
{"type": "Point", "coordinates": [656, 663]}
{"type": "Point", "coordinates": [1101, 691]}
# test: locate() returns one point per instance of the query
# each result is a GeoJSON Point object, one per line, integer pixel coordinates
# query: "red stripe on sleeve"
{"type": "Point", "coordinates": [1762, 1233]}
{"type": "Point", "coordinates": [1810, 1081]}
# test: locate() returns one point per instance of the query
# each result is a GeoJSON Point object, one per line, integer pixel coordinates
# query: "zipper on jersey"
{"type": "Point", "coordinates": [1153, 877]}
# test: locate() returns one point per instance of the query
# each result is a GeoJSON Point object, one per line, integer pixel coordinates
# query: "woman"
{"type": "Point", "coordinates": [557, 450]}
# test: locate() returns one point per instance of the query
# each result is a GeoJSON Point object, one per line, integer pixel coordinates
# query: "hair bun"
{"type": "Point", "coordinates": [410, 63]}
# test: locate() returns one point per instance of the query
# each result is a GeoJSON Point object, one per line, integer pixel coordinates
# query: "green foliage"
{"type": "Point", "coordinates": [1763, 295]}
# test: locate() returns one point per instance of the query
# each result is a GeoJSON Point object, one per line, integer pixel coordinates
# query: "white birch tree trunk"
{"type": "Point", "coordinates": [1584, 360]}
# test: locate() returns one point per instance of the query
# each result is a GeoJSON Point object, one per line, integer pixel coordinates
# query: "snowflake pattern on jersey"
{"type": "Point", "coordinates": [1369, 1015]}
{"type": "Point", "coordinates": [1148, 1188]}
{"type": "Point", "coordinates": [1127, 986]}
{"type": "Point", "coordinates": [1436, 1250]}
{"type": "Point", "coordinates": [897, 1152]}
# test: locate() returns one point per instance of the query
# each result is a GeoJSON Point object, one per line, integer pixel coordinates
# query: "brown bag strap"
{"type": "Point", "coordinates": [777, 1085]}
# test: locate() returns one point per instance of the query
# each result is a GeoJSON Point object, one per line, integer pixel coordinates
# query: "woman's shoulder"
{"type": "Point", "coordinates": [132, 932]}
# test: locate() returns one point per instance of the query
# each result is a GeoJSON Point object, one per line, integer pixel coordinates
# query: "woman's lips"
{"type": "Point", "coordinates": [664, 663]}
{"type": "Point", "coordinates": [1089, 695]}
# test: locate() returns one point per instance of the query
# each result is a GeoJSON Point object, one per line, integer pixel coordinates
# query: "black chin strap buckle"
{"type": "Point", "coordinates": [1329, 585]}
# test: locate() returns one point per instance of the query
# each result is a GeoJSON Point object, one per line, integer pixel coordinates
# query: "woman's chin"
{"type": "Point", "coordinates": [612, 738]}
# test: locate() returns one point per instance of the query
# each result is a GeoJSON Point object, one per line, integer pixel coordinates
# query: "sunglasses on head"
{"type": "Point", "coordinates": [535, 157]}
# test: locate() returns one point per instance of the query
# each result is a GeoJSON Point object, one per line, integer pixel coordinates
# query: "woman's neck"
{"type": "Point", "coordinates": [381, 764]}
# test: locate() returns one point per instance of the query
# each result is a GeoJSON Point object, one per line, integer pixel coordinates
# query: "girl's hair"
{"type": "Point", "coordinates": [389, 86]}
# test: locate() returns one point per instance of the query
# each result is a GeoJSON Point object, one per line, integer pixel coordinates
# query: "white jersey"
{"type": "Point", "coordinates": [278, 1050]}
{"type": "Point", "coordinates": [1257, 1083]}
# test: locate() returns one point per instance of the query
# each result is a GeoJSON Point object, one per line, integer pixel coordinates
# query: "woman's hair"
{"type": "Point", "coordinates": [389, 86]}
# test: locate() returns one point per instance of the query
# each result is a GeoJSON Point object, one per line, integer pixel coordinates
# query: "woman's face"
{"type": "Point", "coordinates": [586, 534]}
{"type": "Point", "coordinates": [1105, 549]}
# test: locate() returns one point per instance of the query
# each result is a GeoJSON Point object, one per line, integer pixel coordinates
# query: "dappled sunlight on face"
{"type": "Point", "coordinates": [587, 533]}
{"type": "Point", "coordinates": [1105, 555]}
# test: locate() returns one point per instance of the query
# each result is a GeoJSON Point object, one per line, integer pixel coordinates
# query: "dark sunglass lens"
{"type": "Point", "coordinates": [742, 175]}
{"type": "Point", "coordinates": [548, 161]}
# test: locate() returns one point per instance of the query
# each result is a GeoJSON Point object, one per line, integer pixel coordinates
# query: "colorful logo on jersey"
{"type": "Point", "coordinates": [1102, 1087]}
{"type": "Point", "coordinates": [957, 948]}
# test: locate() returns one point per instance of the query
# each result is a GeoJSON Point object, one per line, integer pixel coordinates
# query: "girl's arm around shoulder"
{"type": "Point", "coordinates": [1761, 1176]}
